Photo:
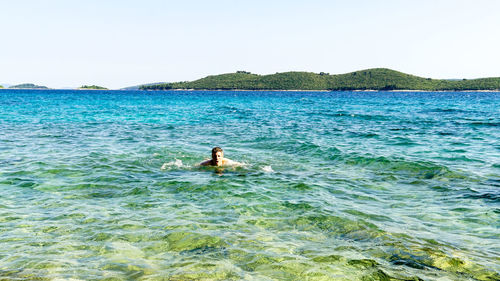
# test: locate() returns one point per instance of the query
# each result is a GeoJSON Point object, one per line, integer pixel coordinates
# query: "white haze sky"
{"type": "Point", "coordinates": [69, 43]}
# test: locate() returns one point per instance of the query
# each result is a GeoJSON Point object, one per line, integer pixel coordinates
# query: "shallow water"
{"type": "Point", "coordinates": [335, 186]}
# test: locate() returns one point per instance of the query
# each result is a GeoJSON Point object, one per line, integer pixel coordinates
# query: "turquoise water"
{"type": "Point", "coordinates": [336, 186]}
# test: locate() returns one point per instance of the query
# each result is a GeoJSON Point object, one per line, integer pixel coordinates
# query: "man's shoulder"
{"type": "Point", "coordinates": [229, 162]}
{"type": "Point", "coordinates": [206, 163]}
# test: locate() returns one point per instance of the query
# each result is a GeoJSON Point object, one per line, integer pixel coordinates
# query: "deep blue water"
{"type": "Point", "coordinates": [335, 186]}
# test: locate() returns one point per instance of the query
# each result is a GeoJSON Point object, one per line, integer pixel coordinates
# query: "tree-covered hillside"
{"type": "Point", "coordinates": [27, 86]}
{"type": "Point", "coordinates": [370, 79]}
{"type": "Point", "coordinates": [92, 87]}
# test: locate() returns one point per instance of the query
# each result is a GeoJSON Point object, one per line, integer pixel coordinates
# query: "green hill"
{"type": "Point", "coordinates": [27, 86]}
{"type": "Point", "coordinates": [370, 79]}
{"type": "Point", "coordinates": [92, 87]}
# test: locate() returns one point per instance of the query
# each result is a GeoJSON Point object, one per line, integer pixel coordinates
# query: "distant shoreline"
{"type": "Point", "coordinates": [323, 91]}
{"type": "Point", "coordinates": [244, 90]}
{"type": "Point", "coordinates": [368, 80]}
{"type": "Point", "coordinates": [376, 79]}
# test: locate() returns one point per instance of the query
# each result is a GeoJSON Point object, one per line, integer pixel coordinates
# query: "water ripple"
{"type": "Point", "coordinates": [335, 186]}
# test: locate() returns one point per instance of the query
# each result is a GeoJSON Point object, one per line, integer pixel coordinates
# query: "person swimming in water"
{"type": "Point", "coordinates": [218, 159]}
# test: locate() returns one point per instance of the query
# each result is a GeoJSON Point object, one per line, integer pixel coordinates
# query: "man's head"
{"type": "Point", "coordinates": [217, 156]}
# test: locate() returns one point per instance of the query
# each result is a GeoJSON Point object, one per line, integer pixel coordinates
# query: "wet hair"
{"type": "Point", "coordinates": [216, 149]}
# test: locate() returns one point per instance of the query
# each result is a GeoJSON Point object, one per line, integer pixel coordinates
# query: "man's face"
{"type": "Point", "coordinates": [217, 158]}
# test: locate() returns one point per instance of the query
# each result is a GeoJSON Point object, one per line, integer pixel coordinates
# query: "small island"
{"type": "Point", "coordinates": [378, 79]}
{"type": "Point", "coordinates": [92, 87]}
{"type": "Point", "coordinates": [27, 86]}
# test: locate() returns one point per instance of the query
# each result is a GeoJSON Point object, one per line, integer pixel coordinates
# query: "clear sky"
{"type": "Point", "coordinates": [111, 43]}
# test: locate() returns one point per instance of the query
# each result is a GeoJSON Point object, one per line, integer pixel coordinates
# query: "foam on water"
{"type": "Point", "coordinates": [267, 169]}
{"type": "Point", "coordinates": [177, 163]}
{"type": "Point", "coordinates": [336, 186]}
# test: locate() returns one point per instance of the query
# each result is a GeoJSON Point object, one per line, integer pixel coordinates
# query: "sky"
{"type": "Point", "coordinates": [116, 44]}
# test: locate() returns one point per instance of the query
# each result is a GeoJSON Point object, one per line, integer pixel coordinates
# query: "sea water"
{"type": "Point", "coordinates": [104, 185]}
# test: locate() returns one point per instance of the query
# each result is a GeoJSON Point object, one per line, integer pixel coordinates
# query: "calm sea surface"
{"type": "Point", "coordinates": [336, 186]}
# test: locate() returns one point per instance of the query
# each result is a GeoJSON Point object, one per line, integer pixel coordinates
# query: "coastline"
{"type": "Point", "coordinates": [326, 91]}
{"type": "Point", "coordinates": [264, 90]}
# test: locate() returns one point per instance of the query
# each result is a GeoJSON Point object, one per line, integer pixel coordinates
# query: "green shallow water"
{"type": "Point", "coordinates": [336, 186]}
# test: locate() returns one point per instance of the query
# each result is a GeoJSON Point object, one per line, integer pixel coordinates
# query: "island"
{"type": "Point", "coordinates": [92, 87]}
{"type": "Point", "coordinates": [379, 79]}
{"type": "Point", "coordinates": [27, 86]}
